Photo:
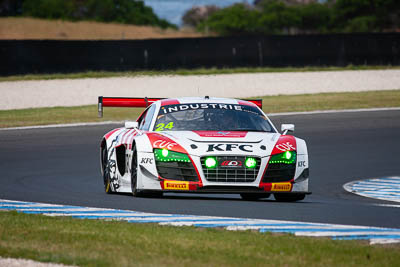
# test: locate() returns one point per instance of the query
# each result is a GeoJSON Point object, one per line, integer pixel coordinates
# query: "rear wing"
{"type": "Point", "coordinates": [124, 102]}
{"type": "Point", "coordinates": [137, 102]}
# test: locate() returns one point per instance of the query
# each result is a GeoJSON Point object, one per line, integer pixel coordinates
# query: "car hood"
{"type": "Point", "coordinates": [200, 143]}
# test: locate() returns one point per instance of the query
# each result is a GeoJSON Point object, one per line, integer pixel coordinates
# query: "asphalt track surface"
{"type": "Point", "coordinates": [61, 166]}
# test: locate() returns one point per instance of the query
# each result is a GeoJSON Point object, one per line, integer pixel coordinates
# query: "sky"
{"type": "Point", "coordinates": [173, 10]}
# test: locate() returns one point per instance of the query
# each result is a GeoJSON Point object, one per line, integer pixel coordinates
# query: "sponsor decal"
{"type": "Point", "coordinates": [158, 140]}
{"type": "Point", "coordinates": [146, 161]}
{"type": "Point", "coordinates": [284, 143]}
{"type": "Point", "coordinates": [176, 185]}
{"type": "Point", "coordinates": [182, 107]}
{"type": "Point", "coordinates": [284, 187]}
{"type": "Point", "coordinates": [285, 147]}
{"type": "Point", "coordinates": [221, 134]}
{"type": "Point", "coordinates": [229, 147]}
{"type": "Point", "coordinates": [164, 144]}
{"type": "Point", "coordinates": [231, 163]}
{"type": "Point", "coordinates": [301, 164]}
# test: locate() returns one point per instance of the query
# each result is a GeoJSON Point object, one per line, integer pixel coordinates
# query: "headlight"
{"type": "Point", "coordinates": [287, 157]}
{"type": "Point", "coordinates": [211, 162]}
{"type": "Point", "coordinates": [168, 155]}
{"type": "Point", "coordinates": [250, 163]}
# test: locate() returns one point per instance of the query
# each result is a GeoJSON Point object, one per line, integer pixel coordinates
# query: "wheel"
{"type": "Point", "coordinates": [106, 170]}
{"type": "Point", "coordinates": [289, 197]}
{"type": "Point", "coordinates": [254, 196]}
{"type": "Point", "coordinates": [134, 172]}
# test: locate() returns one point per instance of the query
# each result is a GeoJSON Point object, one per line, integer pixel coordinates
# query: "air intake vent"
{"type": "Point", "coordinates": [281, 168]}
{"type": "Point", "coordinates": [231, 169]}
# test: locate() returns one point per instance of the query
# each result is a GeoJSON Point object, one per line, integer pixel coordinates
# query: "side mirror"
{"type": "Point", "coordinates": [287, 128]}
{"type": "Point", "coordinates": [131, 124]}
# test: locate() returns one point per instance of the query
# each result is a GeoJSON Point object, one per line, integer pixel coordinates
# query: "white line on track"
{"type": "Point", "coordinates": [376, 235]}
{"type": "Point", "coordinates": [386, 188]}
{"type": "Point", "coordinates": [333, 111]}
{"type": "Point", "coordinates": [61, 125]}
{"type": "Point", "coordinates": [387, 205]}
{"type": "Point", "coordinates": [269, 114]}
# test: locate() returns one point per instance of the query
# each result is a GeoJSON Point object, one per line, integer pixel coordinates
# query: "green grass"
{"type": "Point", "coordinates": [199, 71]}
{"type": "Point", "coordinates": [58, 115]}
{"type": "Point", "coordinates": [101, 243]}
{"type": "Point", "coordinates": [331, 101]}
{"type": "Point", "coordinates": [271, 104]}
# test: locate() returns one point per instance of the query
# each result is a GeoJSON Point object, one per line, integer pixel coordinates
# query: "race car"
{"type": "Point", "coordinates": [202, 145]}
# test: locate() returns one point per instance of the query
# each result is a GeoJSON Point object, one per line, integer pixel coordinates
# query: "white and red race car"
{"type": "Point", "coordinates": [202, 145]}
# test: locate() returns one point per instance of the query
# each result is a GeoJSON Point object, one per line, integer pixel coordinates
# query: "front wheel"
{"type": "Point", "coordinates": [106, 171]}
{"type": "Point", "coordinates": [134, 173]}
{"type": "Point", "coordinates": [281, 197]}
{"type": "Point", "coordinates": [134, 179]}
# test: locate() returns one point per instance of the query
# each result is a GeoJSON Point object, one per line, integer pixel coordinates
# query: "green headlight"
{"type": "Point", "coordinates": [250, 163]}
{"type": "Point", "coordinates": [210, 162]}
{"type": "Point", "coordinates": [287, 157]}
{"type": "Point", "coordinates": [168, 155]}
{"type": "Point", "coordinates": [164, 153]}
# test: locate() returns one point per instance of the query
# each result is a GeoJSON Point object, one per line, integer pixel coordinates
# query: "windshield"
{"type": "Point", "coordinates": [211, 117]}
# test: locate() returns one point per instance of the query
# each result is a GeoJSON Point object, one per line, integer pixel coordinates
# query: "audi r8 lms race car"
{"type": "Point", "coordinates": [202, 145]}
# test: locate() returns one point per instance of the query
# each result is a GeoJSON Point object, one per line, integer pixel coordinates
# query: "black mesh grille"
{"type": "Point", "coordinates": [180, 171]}
{"type": "Point", "coordinates": [279, 172]}
{"type": "Point", "coordinates": [239, 174]}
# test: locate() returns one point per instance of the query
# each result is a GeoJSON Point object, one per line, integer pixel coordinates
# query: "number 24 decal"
{"type": "Point", "coordinates": [162, 126]}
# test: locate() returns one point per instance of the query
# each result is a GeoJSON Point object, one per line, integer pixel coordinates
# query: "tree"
{"type": "Point", "coordinates": [237, 19]}
{"type": "Point", "coordinates": [10, 8]}
{"type": "Point", "coordinates": [315, 18]}
{"type": "Point", "coordinates": [306, 16]}
{"type": "Point", "coordinates": [122, 11]}
{"type": "Point", "coordinates": [278, 17]}
{"type": "Point", "coordinates": [198, 14]}
{"type": "Point", "coordinates": [366, 15]}
{"type": "Point", "coordinates": [48, 9]}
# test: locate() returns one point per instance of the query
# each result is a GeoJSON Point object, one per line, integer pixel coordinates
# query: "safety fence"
{"type": "Point", "coordinates": [57, 56]}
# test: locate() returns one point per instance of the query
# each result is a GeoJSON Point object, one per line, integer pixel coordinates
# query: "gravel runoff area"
{"type": "Point", "coordinates": [26, 263]}
{"type": "Point", "coordinates": [76, 92]}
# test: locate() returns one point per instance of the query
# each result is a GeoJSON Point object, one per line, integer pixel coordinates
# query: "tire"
{"type": "Point", "coordinates": [134, 171]}
{"type": "Point", "coordinates": [281, 197]}
{"type": "Point", "coordinates": [105, 170]}
{"type": "Point", "coordinates": [254, 196]}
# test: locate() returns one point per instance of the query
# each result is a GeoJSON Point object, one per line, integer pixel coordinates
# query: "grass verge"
{"type": "Point", "coordinates": [26, 28]}
{"type": "Point", "coordinates": [271, 104]}
{"type": "Point", "coordinates": [199, 71]}
{"type": "Point", "coordinates": [101, 243]}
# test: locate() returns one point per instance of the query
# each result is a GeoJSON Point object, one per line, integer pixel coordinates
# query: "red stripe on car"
{"type": "Point", "coordinates": [167, 102]}
{"type": "Point", "coordinates": [111, 132]}
{"type": "Point", "coordinates": [252, 103]}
